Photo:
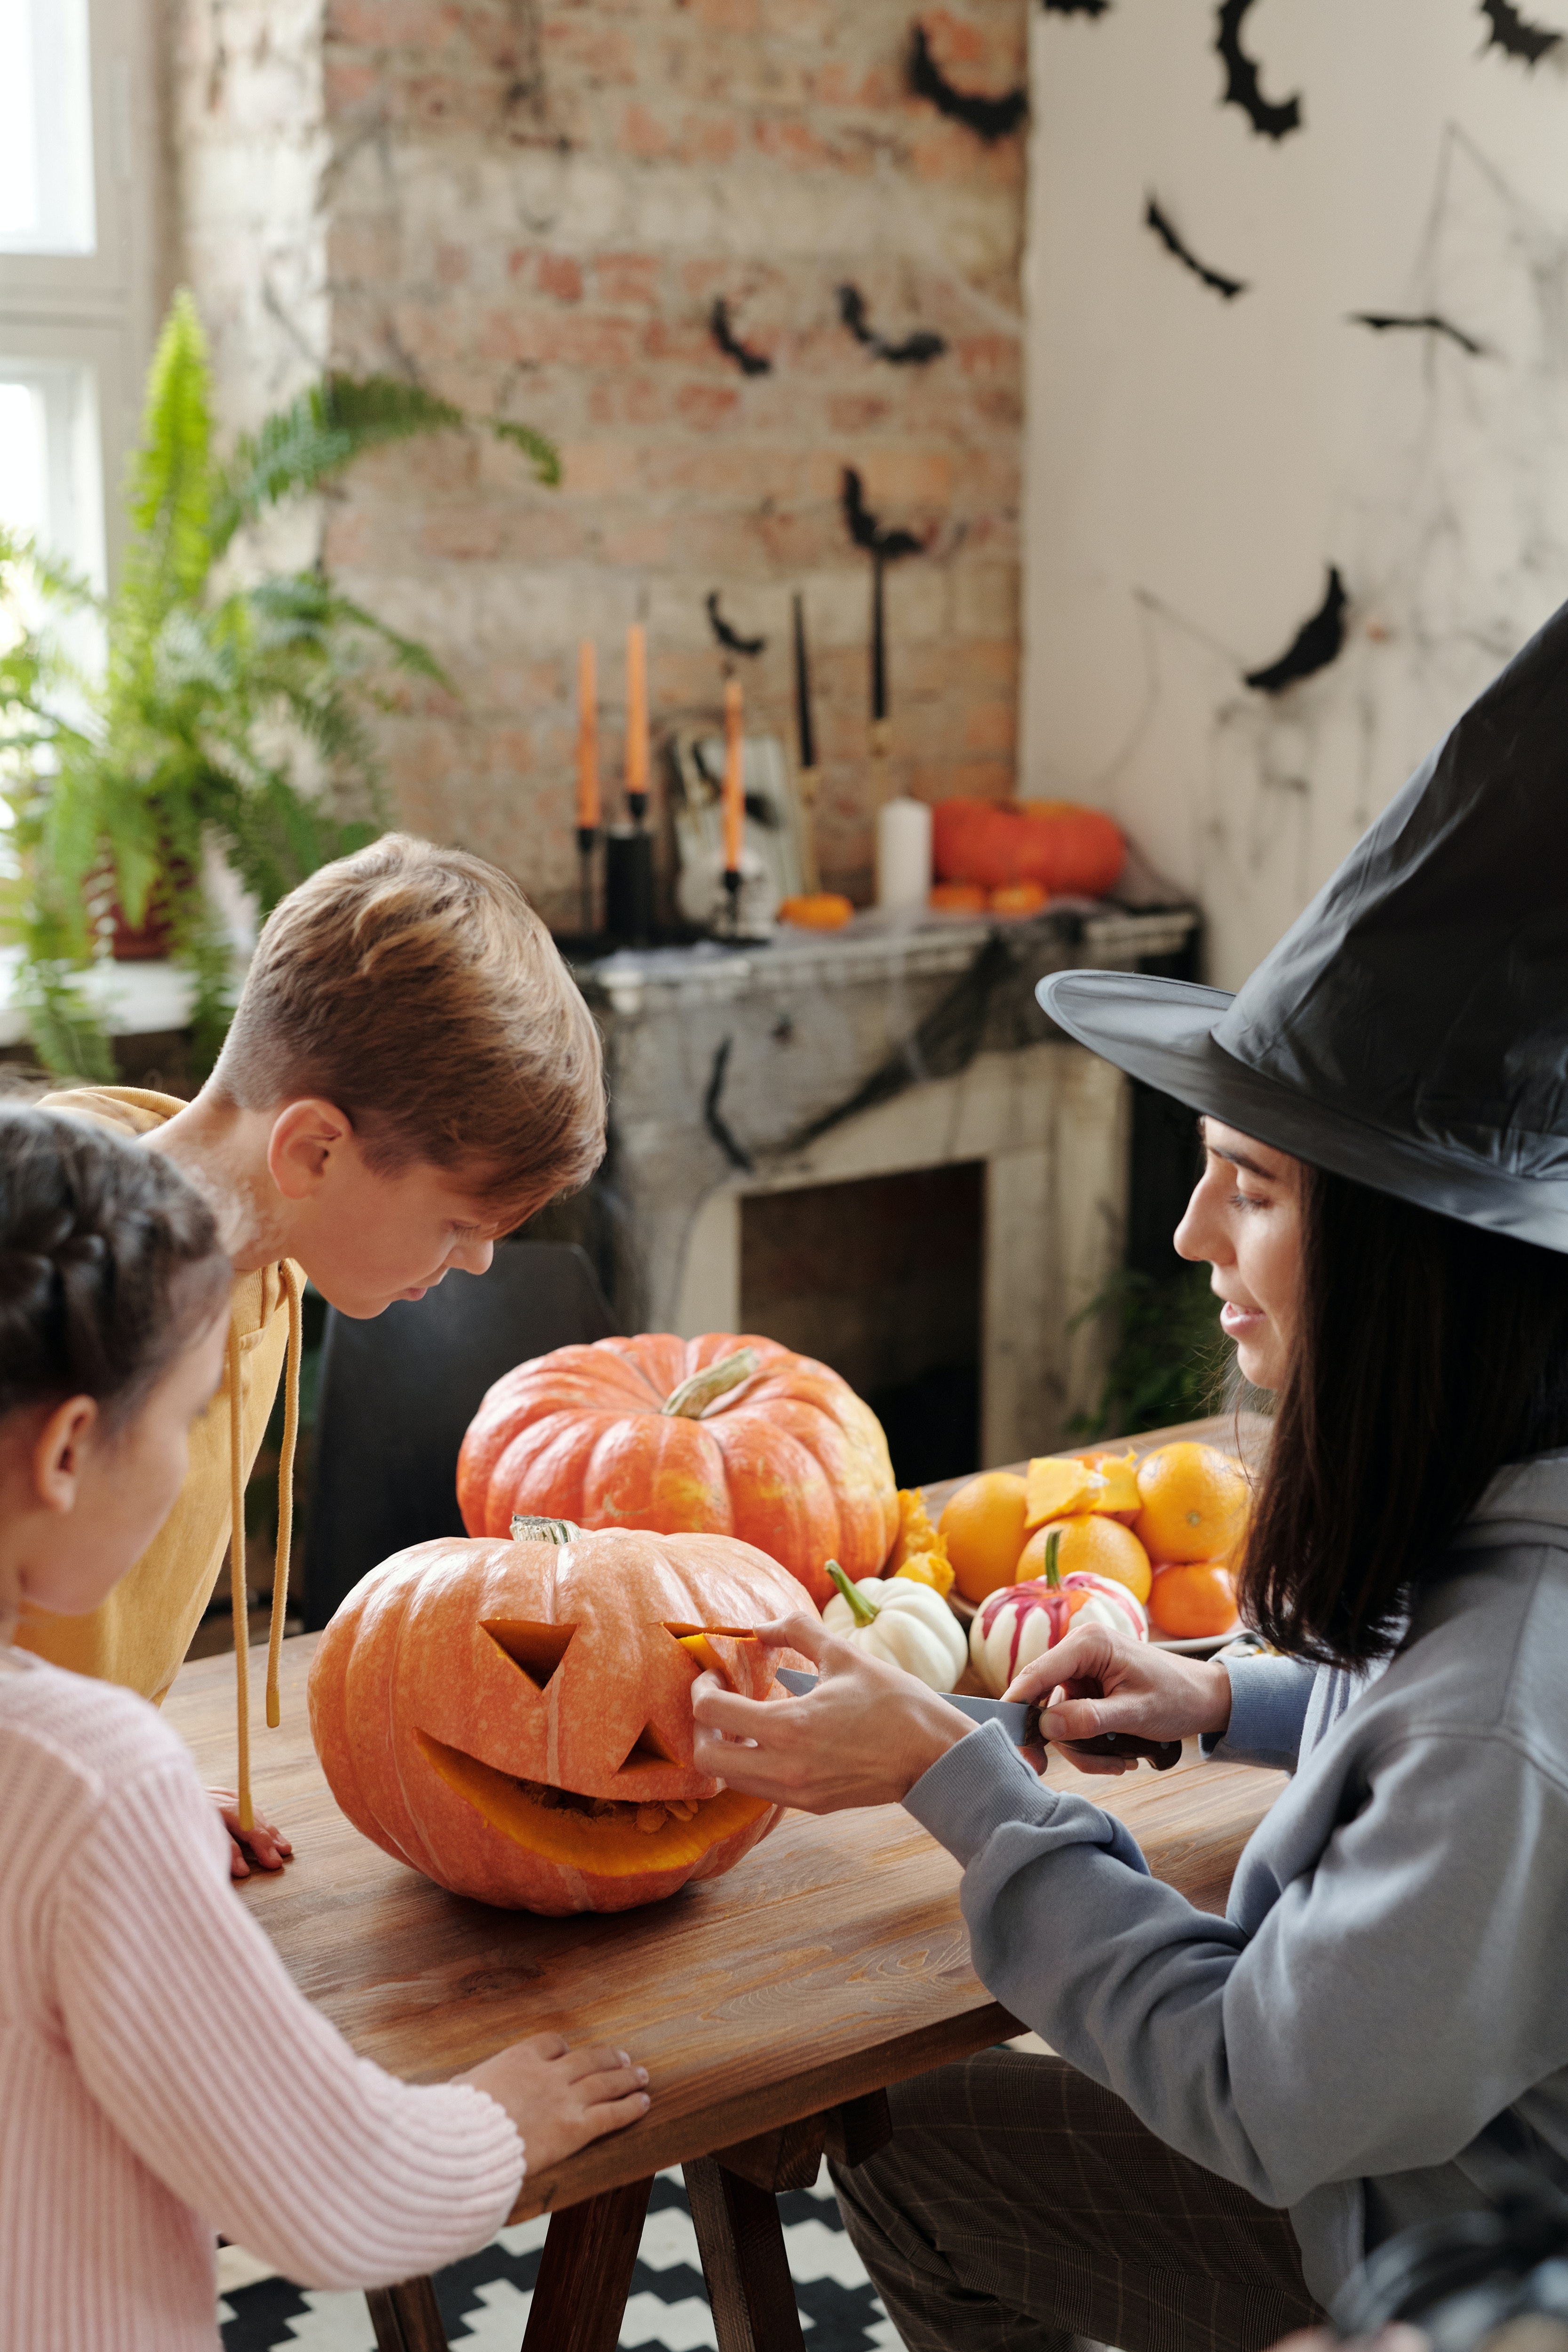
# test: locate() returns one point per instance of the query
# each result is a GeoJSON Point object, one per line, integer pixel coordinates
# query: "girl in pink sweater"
{"type": "Point", "coordinates": [129, 2133]}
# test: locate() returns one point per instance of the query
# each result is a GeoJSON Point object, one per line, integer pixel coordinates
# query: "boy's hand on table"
{"type": "Point", "coordinates": [561, 2098]}
{"type": "Point", "coordinates": [863, 1736]}
{"type": "Point", "coordinates": [263, 1844]}
{"type": "Point", "coordinates": [1131, 1687]}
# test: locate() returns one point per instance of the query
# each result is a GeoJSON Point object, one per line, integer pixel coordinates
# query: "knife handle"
{"type": "Point", "coordinates": [1162, 1753]}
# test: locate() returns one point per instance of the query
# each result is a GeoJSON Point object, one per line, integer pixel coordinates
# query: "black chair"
{"type": "Point", "coordinates": [396, 1394]}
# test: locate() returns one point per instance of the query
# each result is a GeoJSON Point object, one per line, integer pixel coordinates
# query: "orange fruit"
{"type": "Point", "coordinates": [1193, 1503]}
{"type": "Point", "coordinates": [1104, 1546]}
{"type": "Point", "coordinates": [983, 1529]}
{"type": "Point", "coordinates": [1018, 898]}
{"type": "Point", "coordinates": [1191, 1598]}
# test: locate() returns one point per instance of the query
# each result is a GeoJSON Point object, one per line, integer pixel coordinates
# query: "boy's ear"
{"type": "Point", "coordinates": [305, 1134]}
{"type": "Point", "coordinates": [57, 1453]}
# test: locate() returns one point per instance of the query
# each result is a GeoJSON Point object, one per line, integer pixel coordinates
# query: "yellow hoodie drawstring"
{"type": "Point", "coordinates": [285, 1492]}
{"type": "Point", "coordinates": [236, 1592]}
{"type": "Point", "coordinates": [238, 1596]}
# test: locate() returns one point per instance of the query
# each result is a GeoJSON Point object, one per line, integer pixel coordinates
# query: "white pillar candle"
{"type": "Point", "coordinates": [903, 854]}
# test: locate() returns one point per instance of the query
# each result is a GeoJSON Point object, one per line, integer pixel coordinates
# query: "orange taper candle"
{"type": "Point", "coordinates": [587, 739]}
{"type": "Point", "coordinates": [734, 773]}
{"type": "Point", "coordinates": [636, 709]}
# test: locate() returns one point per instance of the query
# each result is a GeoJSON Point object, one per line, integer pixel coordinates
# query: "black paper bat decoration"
{"type": "Point", "coordinates": [1315, 644]}
{"type": "Point", "coordinates": [1425, 322]}
{"type": "Point", "coordinates": [749, 362]}
{"type": "Point", "coordinates": [916, 351]}
{"type": "Point", "coordinates": [728, 636]}
{"type": "Point", "coordinates": [887, 546]}
{"type": "Point", "coordinates": [1075, 7]}
{"type": "Point", "coordinates": [1171, 239]}
{"type": "Point", "coordinates": [1510, 34]}
{"type": "Point", "coordinates": [1241, 84]}
{"type": "Point", "coordinates": [989, 118]}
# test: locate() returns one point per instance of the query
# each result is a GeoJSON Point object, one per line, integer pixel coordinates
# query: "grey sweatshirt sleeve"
{"type": "Point", "coordinates": [1328, 2046]}
{"type": "Point", "coordinates": [1268, 1700]}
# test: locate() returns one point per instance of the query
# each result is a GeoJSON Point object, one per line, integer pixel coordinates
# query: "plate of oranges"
{"type": "Point", "coordinates": [1171, 1526]}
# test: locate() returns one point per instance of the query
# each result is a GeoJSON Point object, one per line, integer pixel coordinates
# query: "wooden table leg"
{"type": "Point", "coordinates": [741, 2243]}
{"type": "Point", "coordinates": [590, 2251]}
{"type": "Point", "coordinates": [406, 2317]}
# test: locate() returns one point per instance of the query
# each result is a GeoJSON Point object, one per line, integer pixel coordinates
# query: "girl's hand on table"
{"type": "Point", "coordinates": [1144, 1689]}
{"type": "Point", "coordinates": [262, 1844]}
{"type": "Point", "coordinates": [561, 2098]}
{"type": "Point", "coordinates": [863, 1736]}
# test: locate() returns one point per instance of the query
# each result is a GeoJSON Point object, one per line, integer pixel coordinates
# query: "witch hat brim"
{"type": "Point", "coordinates": [1161, 1032]}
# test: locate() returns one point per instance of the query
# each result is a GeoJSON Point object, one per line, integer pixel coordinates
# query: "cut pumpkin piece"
{"type": "Point", "coordinates": [1054, 1487]}
{"type": "Point", "coordinates": [1116, 1493]}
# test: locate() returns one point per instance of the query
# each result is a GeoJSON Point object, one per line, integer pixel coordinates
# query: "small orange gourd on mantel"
{"type": "Point", "coordinates": [514, 1719]}
{"type": "Point", "coordinates": [725, 1434]}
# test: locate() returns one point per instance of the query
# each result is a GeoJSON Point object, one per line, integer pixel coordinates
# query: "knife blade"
{"type": "Point", "coordinates": [1021, 1723]}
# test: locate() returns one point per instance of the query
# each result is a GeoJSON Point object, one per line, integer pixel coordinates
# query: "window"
{"type": "Point", "coordinates": [46, 127]}
{"type": "Point", "coordinates": [77, 264]}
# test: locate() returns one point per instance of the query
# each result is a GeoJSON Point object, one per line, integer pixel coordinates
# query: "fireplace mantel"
{"type": "Point", "coordinates": [891, 1045]}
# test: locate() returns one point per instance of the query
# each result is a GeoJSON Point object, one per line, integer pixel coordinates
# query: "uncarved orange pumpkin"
{"type": "Point", "coordinates": [515, 1718]}
{"type": "Point", "coordinates": [1070, 850]}
{"type": "Point", "coordinates": [723, 1435]}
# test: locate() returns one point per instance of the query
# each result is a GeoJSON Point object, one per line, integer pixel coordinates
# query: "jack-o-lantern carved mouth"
{"type": "Point", "coordinates": [605, 1835]}
{"type": "Point", "coordinates": [613, 1836]}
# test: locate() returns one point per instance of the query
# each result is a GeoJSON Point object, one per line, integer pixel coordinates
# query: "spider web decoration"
{"type": "Point", "coordinates": [1242, 86]}
{"type": "Point", "coordinates": [1451, 523]}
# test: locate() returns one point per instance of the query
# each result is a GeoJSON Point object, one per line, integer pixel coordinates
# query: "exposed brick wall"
{"type": "Point", "coordinates": [534, 206]}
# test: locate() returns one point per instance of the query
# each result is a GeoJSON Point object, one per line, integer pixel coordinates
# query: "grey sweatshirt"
{"type": "Point", "coordinates": [1385, 2007]}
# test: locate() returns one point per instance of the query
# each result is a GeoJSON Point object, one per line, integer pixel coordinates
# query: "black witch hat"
{"type": "Point", "coordinates": [1410, 1030]}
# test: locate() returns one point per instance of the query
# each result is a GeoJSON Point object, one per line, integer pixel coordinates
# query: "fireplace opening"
{"type": "Point", "coordinates": [881, 1279]}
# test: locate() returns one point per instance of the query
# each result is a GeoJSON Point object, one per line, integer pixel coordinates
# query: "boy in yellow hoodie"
{"type": "Point", "coordinates": [410, 1072]}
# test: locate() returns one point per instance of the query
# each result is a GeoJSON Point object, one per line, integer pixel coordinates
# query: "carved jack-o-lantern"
{"type": "Point", "coordinates": [515, 1718]}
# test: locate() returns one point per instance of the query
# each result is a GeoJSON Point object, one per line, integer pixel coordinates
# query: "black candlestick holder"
{"type": "Point", "coordinates": [733, 892]}
{"type": "Point", "coordinates": [629, 885]}
{"type": "Point", "coordinates": [588, 842]}
{"type": "Point", "coordinates": [637, 803]}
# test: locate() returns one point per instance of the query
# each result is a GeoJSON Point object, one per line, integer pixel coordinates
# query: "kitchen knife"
{"type": "Point", "coordinates": [1021, 1724]}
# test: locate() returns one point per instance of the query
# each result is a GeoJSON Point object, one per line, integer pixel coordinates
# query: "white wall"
{"type": "Point", "coordinates": [1195, 464]}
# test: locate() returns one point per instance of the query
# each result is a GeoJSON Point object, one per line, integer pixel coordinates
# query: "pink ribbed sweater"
{"type": "Point", "coordinates": [160, 2078]}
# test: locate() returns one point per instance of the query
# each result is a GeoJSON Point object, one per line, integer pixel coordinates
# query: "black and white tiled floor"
{"type": "Point", "coordinates": [485, 2300]}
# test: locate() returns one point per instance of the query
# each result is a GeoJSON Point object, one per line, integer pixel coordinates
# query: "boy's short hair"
{"type": "Point", "coordinates": [416, 988]}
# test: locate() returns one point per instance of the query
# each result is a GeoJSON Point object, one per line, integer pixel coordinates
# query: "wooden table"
{"type": "Point", "coordinates": [772, 2007]}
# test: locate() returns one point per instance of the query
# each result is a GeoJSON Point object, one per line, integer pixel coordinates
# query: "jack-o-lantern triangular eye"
{"type": "Point", "coordinates": [537, 1649]}
{"type": "Point", "coordinates": [648, 1747]}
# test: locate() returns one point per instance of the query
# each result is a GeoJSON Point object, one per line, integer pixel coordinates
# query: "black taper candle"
{"type": "Point", "coordinates": [878, 643]}
{"type": "Point", "coordinates": [803, 689]}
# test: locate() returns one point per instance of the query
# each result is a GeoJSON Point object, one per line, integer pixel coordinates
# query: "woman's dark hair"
{"type": "Point", "coordinates": [109, 1262]}
{"type": "Point", "coordinates": [1428, 1354]}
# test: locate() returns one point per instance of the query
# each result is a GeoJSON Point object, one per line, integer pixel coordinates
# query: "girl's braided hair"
{"type": "Point", "coordinates": [109, 1262]}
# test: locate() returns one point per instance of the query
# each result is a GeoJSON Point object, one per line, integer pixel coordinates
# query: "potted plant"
{"type": "Point", "coordinates": [184, 714]}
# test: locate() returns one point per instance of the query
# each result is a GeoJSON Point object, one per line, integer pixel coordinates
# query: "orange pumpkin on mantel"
{"type": "Point", "coordinates": [514, 1719]}
{"type": "Point", "coordinates": [722, 1435]}
{"type": "Point", "coordinates": [1070, 851]}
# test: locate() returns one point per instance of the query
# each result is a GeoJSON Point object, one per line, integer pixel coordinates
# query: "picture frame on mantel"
{"type": "Point", "coordinates": [772, 864]}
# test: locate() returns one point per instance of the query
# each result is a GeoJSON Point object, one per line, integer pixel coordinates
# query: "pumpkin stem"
{"type": "Point", "coordinates": [691, 1399]}
{"type": "Point", "coordinates": [1053, 1547]}
{"type": "Point", "coordinates": [863, 1611]}
{"type": "Point", "coordinates": [555, 1531]}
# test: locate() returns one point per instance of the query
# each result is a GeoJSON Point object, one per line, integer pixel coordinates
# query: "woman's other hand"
{"type": "Point", "coordinates": [863, 1736]}
{"type": "Point", "coordinates": [1142, 1689]}
{"type": "Point", "coordinates": [561, 2098]}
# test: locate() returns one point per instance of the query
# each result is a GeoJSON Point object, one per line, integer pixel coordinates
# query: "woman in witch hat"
{"type": "Point", "coordinates": [1376, 2033]}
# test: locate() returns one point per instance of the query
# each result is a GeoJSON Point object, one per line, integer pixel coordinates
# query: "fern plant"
{"type": "Point", "coordinates": [237, 717]}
